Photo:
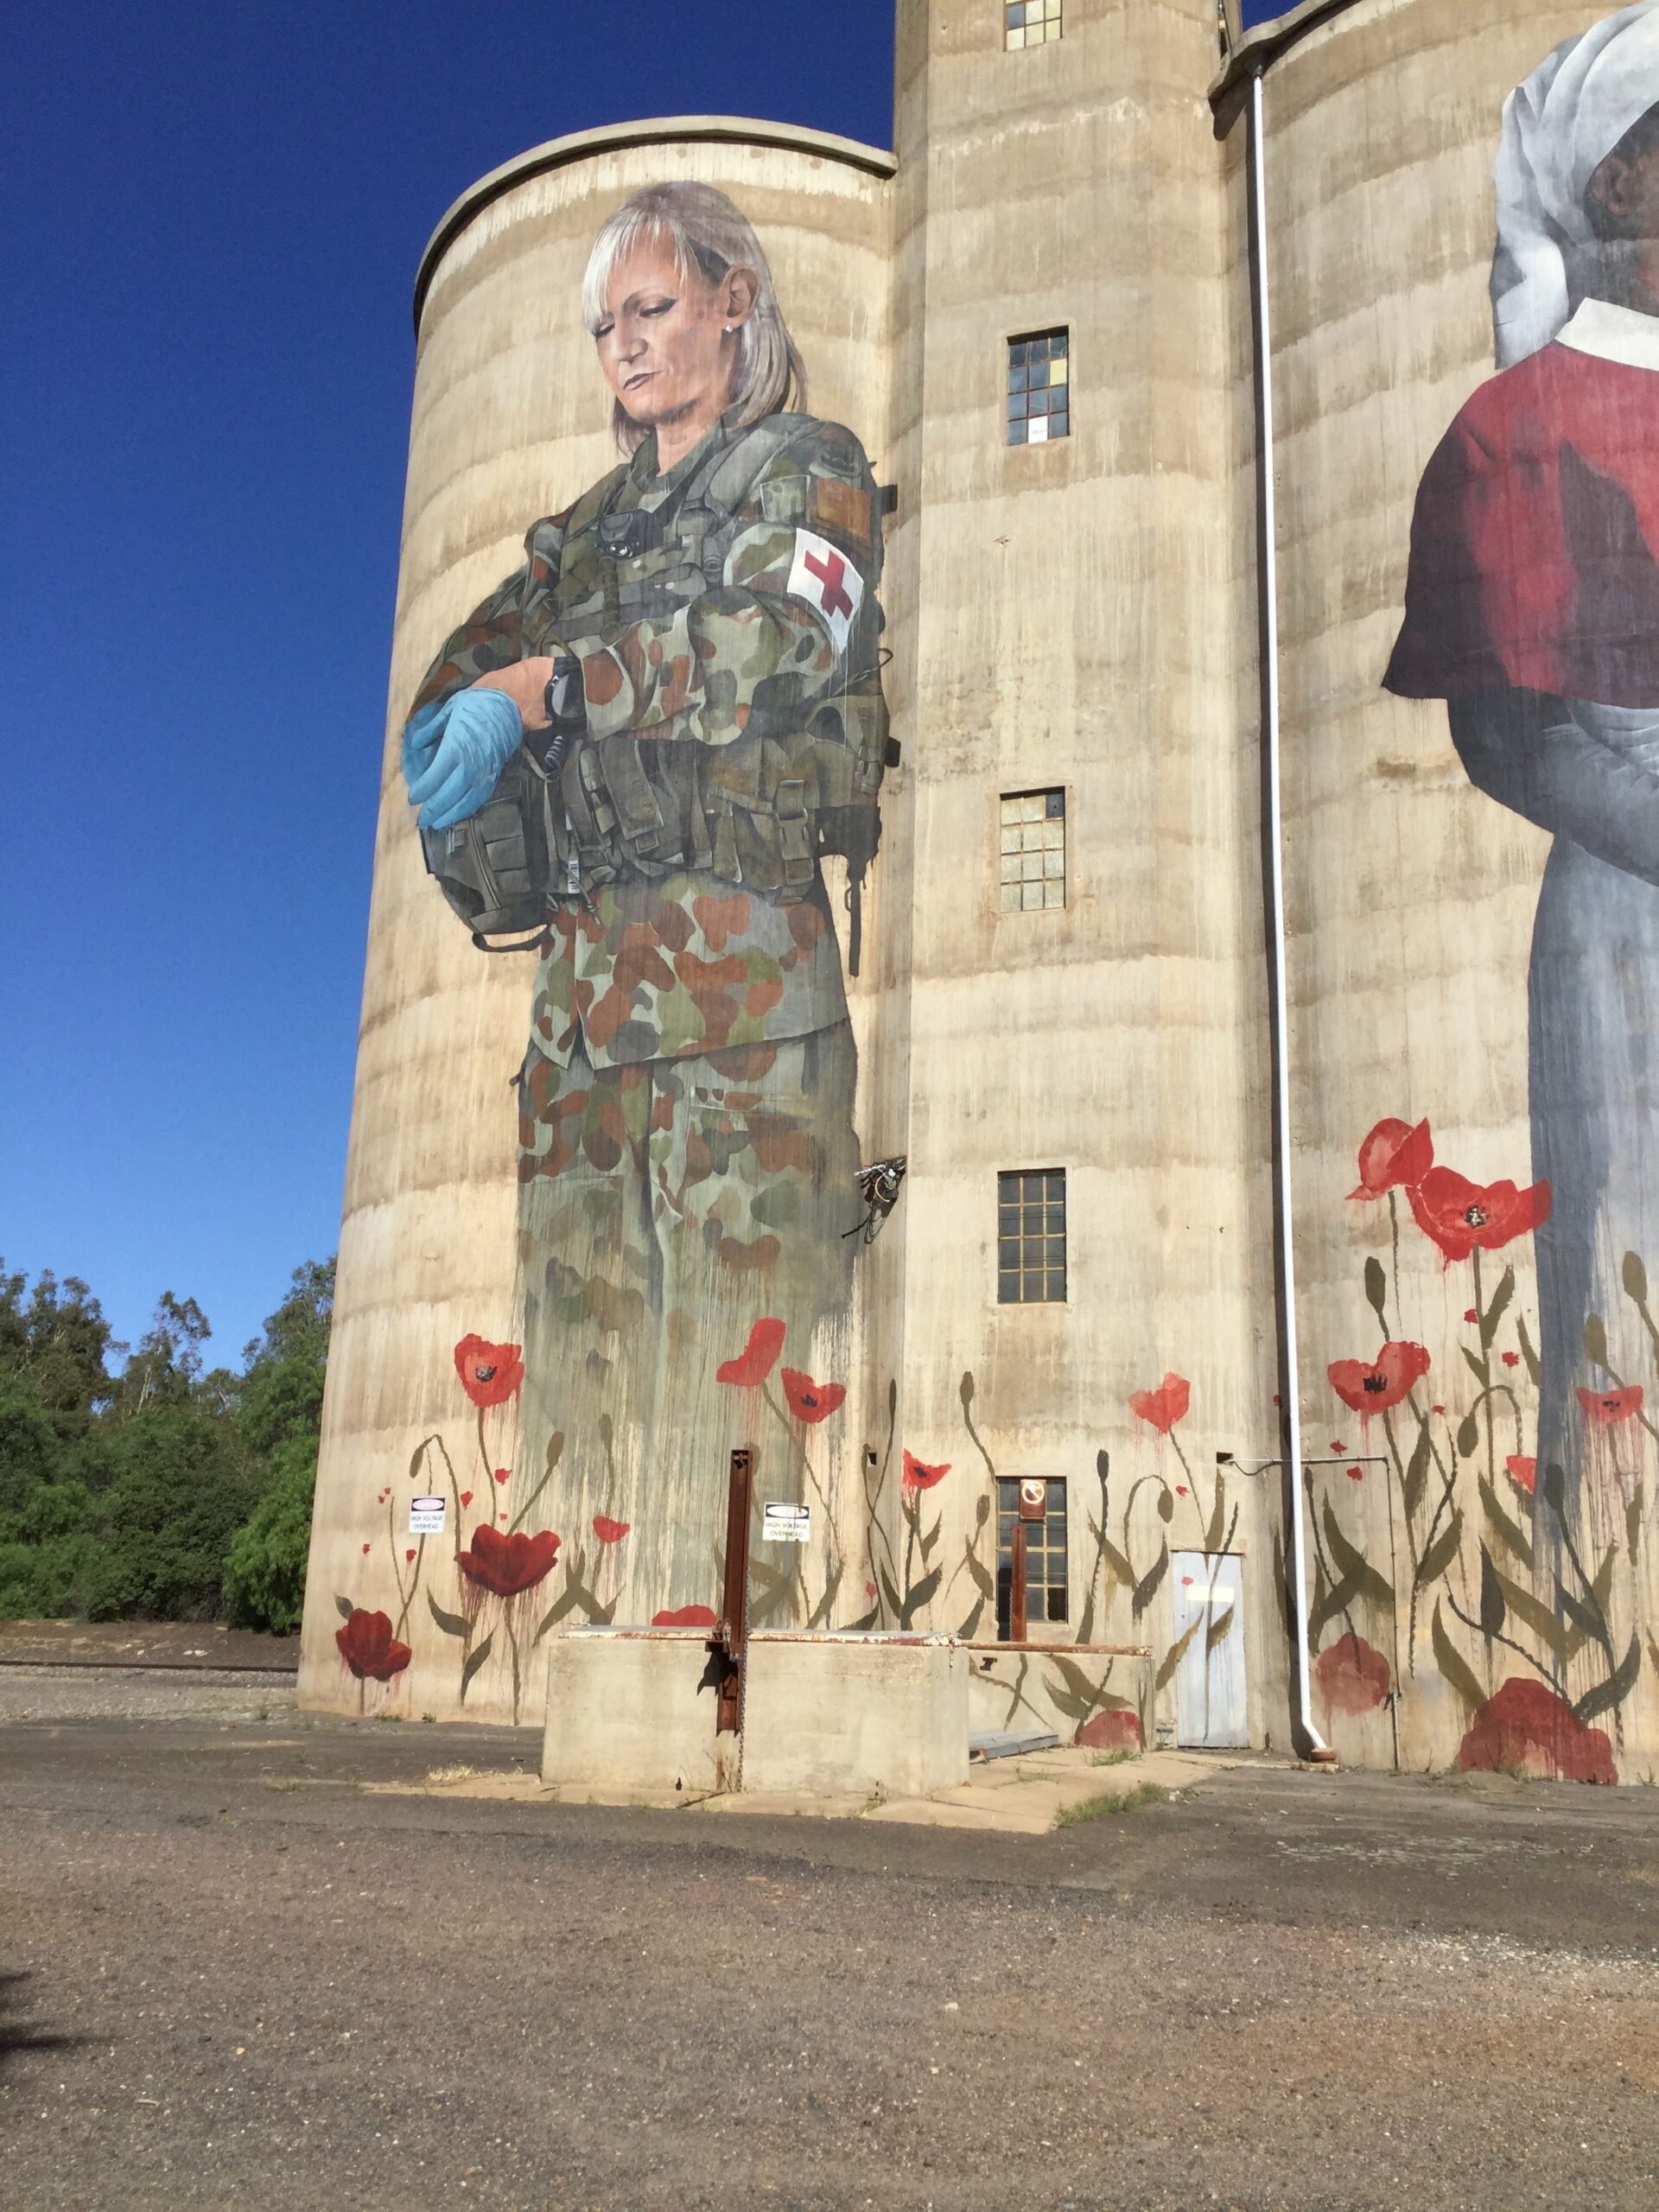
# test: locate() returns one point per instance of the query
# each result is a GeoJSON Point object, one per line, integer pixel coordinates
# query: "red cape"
{"type": "Point", "coordinates": [1534, 542]}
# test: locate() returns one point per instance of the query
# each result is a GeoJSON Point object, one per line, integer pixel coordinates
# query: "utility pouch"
{"type": "Point", "coordinates": [495, 868]}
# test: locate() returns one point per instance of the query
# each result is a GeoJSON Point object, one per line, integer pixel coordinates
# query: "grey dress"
{"type": "Point", "coordinates": [1590, 774]}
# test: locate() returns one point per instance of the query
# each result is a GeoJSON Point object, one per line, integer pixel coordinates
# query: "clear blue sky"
{"type": "Point", "coordinates": [213, 218]}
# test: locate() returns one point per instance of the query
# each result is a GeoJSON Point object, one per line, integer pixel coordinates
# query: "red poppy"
{"type": "Point", "coordinates": [609, 1531]}
{"type": "Point", "coordinates": [809, 1401]}
{"type": "Point", "coordinates": [1180, 1489]}
{"type": "Point", "coordinates": [919, 1475]}
{"type": "Point", "coordinates": [1110, 1731]}
{"type": "Point", "coordinates": [506, 1565]}
{"type": "Point", "coordinates": [756, 1360]}
{"type": "Point", "coordinates": [1606, 1409]}
{"type": "Point", "coordinates": [365, 1551]}
{"type": "Point", "coordinates": [1527, 1725]}
{"type": "Point", "coordinates": [1164, 1406]}
{"type": "Point", "coordinates": [504, 1474]}
{"type": "Point", "coordinates": [1471, 1313]}
{"type": "Point", "coordinates": [1354, 1676]}
{"type": "Point", "coordinates": [490, 1373]}
{"type": "Point", "coordinates": [1394, 1155]}
{"type": "Point", "coordinates": [1356, 1474]}
{"type": "Point", "coordinates": [368, 1647]}
{"type": "Point", "coordinates": [1512, 1359]}
{"type": "Point", "coordinates": [686, 1617]}
{"type": "Point", "coordinates": [409, 1555]}
{"type": "Point", "coordinates": [466, 1497]}
{"type": "Point", "coordinates": [870, 1589]}
{"type": "Point", "coordinates": [1525, 1472]}
{"type": "Point", "coordinates": [1337, 1446]}
{"type": "Point", "coordinates": [1458, 1214]}
{"type": "Point", "coordinates": [1379, 1387]}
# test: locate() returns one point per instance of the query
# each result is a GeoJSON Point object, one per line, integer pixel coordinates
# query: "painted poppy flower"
{"type": "Point", "coordinates": [490, 1373]}
{"type": "Point", "coordinates": [368, 1647]}
{"type": "Point", "coordinates": [1458, 1214]}
{"type": "Point", "coordinates": [1354, 1676]}
{"type": "Point", "coordinates": [1394, 1156]}
{"type": "Point", "coordinates": [1524, 1470]}
{"type": "Point", "coordinates": [1110, 1731]}
{"type": "Point", "coordinates": [686, 1617]}
{"type": "Point", "coordinates": [1527, 1725]}
{"type": "Point", "coordinates": [1607, 1408]}
{"type": "Point", "coordinates": [809, 1401]}
{"type": "Point", "coordinates": [1164, 1406]}
{"type": "Point", "coordinates": [1356, 1474]}
{"type": "Point", "coordinates": [920, 1476]}
{"type": "Point", "coordinates": [506, 1565]}
{"type": "Point", "coordinates": [466, 1497]}
{"type": "Point", "coordinates": [1512, 1359]}
{"type": "Point", "coordinates": [1378, 1386]}
{"type": "Point", "coordinates": [756, 1360]}
{"type": "Point", "coordinates": [609, 1531]}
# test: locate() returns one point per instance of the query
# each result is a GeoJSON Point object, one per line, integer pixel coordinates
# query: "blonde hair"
{"type": "Point", "coordinates": [708, 235]}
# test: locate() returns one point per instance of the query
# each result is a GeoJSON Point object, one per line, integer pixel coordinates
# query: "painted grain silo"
{"type": "Point", "coordinates": [994, 1028]}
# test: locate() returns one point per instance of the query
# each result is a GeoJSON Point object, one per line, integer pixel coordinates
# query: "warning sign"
{"type": "Point", "coordinates": [426, 1515]}
{"type": "Point", "coordinates": [785, 1524]}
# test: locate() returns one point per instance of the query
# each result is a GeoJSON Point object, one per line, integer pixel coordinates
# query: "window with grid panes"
{"type": "Point", "coordinates": [1031, 1236]}
{"type": "Point", "coordinates": [1030, 23]}
{"type": "Point", "coordinates": [1039, 388]}
{"type": "Point", "coordinates": [1047, 1595]}
{"type": "Point", "coordinates": [1032, 859]}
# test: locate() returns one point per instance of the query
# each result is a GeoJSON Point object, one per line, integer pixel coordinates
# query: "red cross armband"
{"type": "Point", "coordinates": [828, 582]}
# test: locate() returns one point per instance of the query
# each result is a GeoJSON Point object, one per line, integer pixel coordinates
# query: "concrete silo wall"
{"type": "Point", "coordinates": [1475, 1341]}
{"type": "Point", "coordinates": [510, 423]}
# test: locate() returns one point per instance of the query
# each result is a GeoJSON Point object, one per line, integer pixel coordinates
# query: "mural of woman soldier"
{"type": "Point", "coordinates": [657, 726]}
{"type": "Point", "coordinates": [1532, 608]}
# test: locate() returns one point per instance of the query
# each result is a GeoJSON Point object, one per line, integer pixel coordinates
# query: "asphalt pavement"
{"type": "Point", "coordinates": [232, 1975]}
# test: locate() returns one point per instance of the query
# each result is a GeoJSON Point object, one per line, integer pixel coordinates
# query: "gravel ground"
{"type": "Point", "coordinates": [1281, 1991]}
{"type": "Point", "coordinates": [141, 1694]}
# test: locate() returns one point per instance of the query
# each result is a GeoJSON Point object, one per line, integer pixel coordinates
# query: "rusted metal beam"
{"type": "Point", "coordinates": [728, 1638]}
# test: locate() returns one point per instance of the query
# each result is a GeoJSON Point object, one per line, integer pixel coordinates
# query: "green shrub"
{"type": "Point", "coordinates": [181, 1488]}
{"type": "Point", "coordinates": [264, 1576]}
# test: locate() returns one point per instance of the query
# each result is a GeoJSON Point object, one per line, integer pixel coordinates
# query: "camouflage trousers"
{"type": "Point", "coordinates": [665, 1208]}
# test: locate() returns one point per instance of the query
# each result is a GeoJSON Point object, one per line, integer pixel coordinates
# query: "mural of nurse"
{"type": "Point", "coordinates": [678, 693]}
{"type": "Point", "coordinates": [1532, 608]}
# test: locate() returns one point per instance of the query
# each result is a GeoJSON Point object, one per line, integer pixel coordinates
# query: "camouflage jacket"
{"type": "Point", "coordinates": [715, 629]}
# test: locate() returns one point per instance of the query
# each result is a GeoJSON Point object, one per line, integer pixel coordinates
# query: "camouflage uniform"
{"type": "Point", "coordinates": [687, 1158]}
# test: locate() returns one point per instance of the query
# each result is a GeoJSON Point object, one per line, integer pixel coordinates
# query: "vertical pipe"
{"type": "Point", "coordinates": [1314, 1745]}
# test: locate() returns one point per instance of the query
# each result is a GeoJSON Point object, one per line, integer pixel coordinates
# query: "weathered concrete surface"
{"type": "Point", "coordinates": [1280, 1991]}
{"type": "Point", "coordinates": [632, 1713]}
{"type": "Point", "coordinates": [851, 1714]}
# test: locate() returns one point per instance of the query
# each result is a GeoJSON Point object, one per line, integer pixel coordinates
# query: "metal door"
{"type": "Point", "coordinates": [1209, 1592]}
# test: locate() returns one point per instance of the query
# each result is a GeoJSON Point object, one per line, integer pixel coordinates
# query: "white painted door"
{"type": "Point", "coordinates": [1209, 1591]}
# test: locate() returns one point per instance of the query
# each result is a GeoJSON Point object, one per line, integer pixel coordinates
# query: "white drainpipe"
{"type": "Point", "coordinates": [1314, 1745]}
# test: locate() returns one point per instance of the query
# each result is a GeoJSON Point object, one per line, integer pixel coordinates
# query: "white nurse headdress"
{"type": "Point", "coordinates": [1558, 128]}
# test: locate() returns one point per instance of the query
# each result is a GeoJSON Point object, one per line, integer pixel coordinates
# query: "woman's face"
{"type": "Point", "coordinates": [667, 342]}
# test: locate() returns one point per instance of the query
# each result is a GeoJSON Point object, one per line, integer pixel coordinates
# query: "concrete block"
{"type": "Point", "coordinates": [825, 1714]}
{"type": "Point", "coordinates": [624, 1714]}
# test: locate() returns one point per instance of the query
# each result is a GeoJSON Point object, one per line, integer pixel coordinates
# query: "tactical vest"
{"type": "Point", "coordinates": [759, 810]}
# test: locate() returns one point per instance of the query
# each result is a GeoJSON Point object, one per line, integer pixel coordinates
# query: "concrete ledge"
{"type": "Point", "coordinates": [628, 1714]}
{"type": "Point", "coordinates": [829, 1716]}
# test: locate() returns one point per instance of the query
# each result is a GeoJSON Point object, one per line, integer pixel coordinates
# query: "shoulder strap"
{"type": "Point", "coordinates": [727, 477]}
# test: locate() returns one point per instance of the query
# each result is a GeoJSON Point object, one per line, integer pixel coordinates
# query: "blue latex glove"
{"type": "Point", "coordinates": [454, 754]}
